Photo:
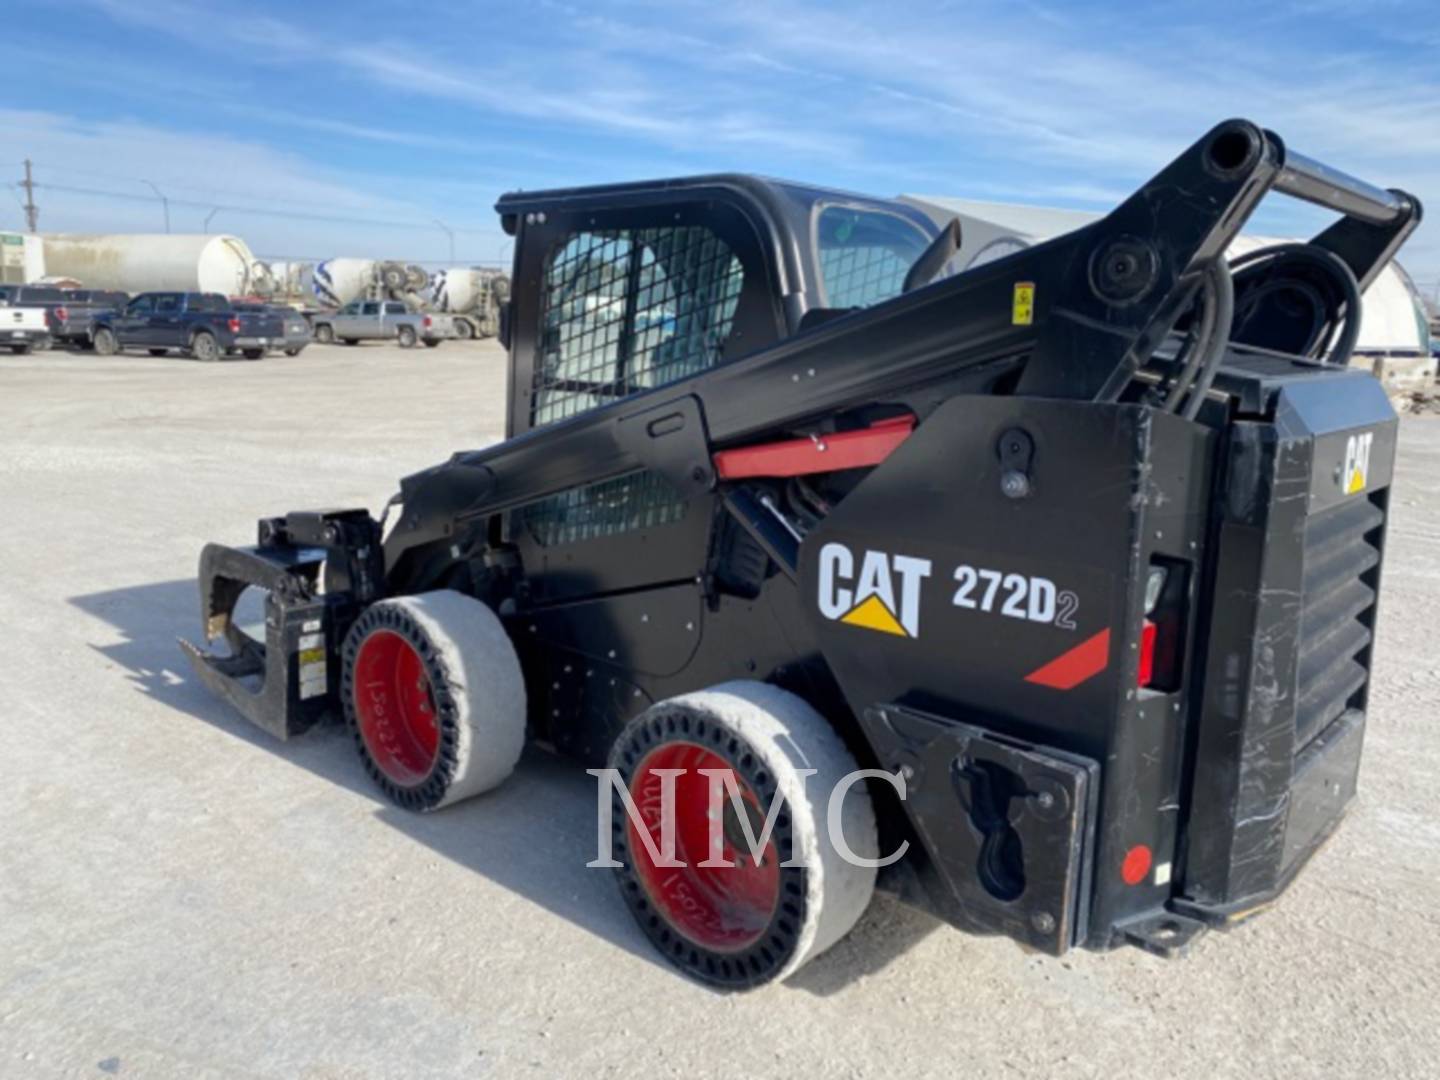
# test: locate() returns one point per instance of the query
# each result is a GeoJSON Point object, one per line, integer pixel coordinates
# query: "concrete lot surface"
{"type": "Point", "coordinates": [182, 897]}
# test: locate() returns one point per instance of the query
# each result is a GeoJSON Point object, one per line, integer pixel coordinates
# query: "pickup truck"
{"type": "Point", "coordinates": [206, 326]}
{"type": "Point", "coordinates": [297, 330]}
{"type": "Point", "coordinates": [382, 320]}
{"type": "Point", "coordinates": [23, 328]}
{"type": "Point", "coordinates": [74, 322]}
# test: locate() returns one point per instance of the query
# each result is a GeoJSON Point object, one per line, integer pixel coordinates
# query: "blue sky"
{"type": "Point", "coordinates": [358, 124]}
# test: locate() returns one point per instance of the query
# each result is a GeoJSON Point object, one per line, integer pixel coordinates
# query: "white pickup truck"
{"type": "Point", "coordinates": [23, 328]}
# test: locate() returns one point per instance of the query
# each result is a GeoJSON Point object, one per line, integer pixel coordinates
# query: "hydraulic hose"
{"type": "Point", "coordinates": [1320, 346]}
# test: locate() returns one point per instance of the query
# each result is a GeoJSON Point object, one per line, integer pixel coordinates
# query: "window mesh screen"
{"type": "Point", "coordinates": [636, 501]}
{"type": "Point", "coordinates": [628, 310]}
{"type": "Point", "coordinates": [865, 254]}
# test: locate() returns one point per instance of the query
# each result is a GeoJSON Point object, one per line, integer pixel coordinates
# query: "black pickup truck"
{"type": "Point", "coordinates": [207, 326]}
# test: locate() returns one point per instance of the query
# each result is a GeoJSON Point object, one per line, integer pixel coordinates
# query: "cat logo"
{"type": "Point", "coordinates": [1357, 463]}
{"type": "Point", "coordinates": [885, 596]}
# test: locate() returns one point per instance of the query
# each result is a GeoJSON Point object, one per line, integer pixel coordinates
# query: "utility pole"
{"type": "Point", "coordinates": [206, 226]}
{"type": "Point", "coordinates": [163, 202]}
{"type": "Point", "coordinates": [32, 212]}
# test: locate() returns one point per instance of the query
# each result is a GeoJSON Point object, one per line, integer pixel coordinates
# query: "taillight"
{"type": "Point", "coordinates": [1163, 630]}
{"type": "Point", "coordinates": [62, 314]}
{"type": "Point", "coordinates": [234, 325]}
{"type": "Point", "coordinates": [427, 322]}
{"type": "Point", "coordinates": [1148, 635]}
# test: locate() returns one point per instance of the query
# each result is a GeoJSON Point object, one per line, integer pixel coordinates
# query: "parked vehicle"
{"type": "Point", "coordinates": [206, 326]}
{"type": "Point", "coordinates": [296, 334]}
{"type": "Point", "coordinates": [23, 328]}
{"type": "Point", "coordinates": [46, 297]}
{"type": "Point", "coordinates": [74, 323]}
{"type": "Point", "coordinates": [382, 320]}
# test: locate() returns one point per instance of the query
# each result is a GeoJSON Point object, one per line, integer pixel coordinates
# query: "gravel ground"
{"type": "Point", "coordinates": [182, 897]}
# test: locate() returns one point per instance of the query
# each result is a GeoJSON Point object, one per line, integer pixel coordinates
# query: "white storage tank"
{"type": "Point", "coordinates": [153, 263]}
{"type": "Point", "coordinates": [22, 258]}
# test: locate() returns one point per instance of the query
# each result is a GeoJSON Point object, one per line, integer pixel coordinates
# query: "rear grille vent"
{"type": "Point", "coordinates": [1342, 560]}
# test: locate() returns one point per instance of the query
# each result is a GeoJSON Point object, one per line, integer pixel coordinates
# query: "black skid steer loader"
{"type": "Point", "coordinates": [1041, 594]}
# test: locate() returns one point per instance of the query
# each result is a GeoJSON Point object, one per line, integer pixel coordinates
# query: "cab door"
{"type": "Point", "coordinates": [370, 321]}
{"type": "Point", "coordinates": [167, 327]}
{"type": "Point", "coordinates": [132, 324]}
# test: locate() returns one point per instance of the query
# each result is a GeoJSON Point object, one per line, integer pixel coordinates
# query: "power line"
{"type": "Point", "coordinates": [210, 202]}
{"type": "Point", "coordinates": [260, 211]}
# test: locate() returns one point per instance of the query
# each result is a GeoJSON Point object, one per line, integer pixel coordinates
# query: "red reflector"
{"type": "Point", "coordinates": [1147, 654]}
{"type": "Point", "coordinates": [62, 314]}
{"type": "Point", "coordinates": [1136, 865]}
{"type": "Point", "coordinates": [427, 322]}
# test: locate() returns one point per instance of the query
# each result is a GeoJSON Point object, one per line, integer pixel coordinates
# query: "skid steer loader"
{"type": "Point", "coordinates": [1073, 557]}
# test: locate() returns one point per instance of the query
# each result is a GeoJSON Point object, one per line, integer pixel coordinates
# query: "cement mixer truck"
{"type": "Point", "coordinates": [470, 297]}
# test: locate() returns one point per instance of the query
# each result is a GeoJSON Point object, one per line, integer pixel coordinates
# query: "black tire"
{"type": "Point", "coordinates": [157, 352]}
{"type": "Point", "coordinates": [324, 333]}
{"type": "Point", "coordinates": [204, 347]}
{"type": "Point", "coordinates": [434, 697]}
{"type": "Point", "coordinates": [406, 336]}
{"type": "Point", "coordinates": [106, 344]}
{"type": "Point", "coordinates": [463, 330]}
{"type": "Point", "coordinates": [253, 354]}
{"type": "Point", "coordinates": [431, 342]}
{"type": "Point", "coordinates": [295, 352]}
{"type": "Point", "coordinates": [749, 930]}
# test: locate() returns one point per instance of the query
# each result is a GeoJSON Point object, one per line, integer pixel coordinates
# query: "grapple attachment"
{"type": "Point", "coordinates": [318, 571]}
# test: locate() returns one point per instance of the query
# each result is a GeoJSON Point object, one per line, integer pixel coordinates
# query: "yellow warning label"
{"type": "Point", "coordinates": [1022, 311]}
{"type": "Point", "coordinates": [312, 656]}
{"type": "Point", "coordinates": [874, 615]}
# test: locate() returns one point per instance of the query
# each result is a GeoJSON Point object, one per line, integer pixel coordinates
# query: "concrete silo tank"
{"type": "Point", "coordinates": [153, 263]}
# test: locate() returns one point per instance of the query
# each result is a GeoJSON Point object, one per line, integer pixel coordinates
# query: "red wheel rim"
{"type": "Point", "coordinates": [721, 908]}
{"type": "Point", "coordinates": [395, 708]}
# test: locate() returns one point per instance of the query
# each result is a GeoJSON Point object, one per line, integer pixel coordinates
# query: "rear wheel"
{"type": "Point", "coordinates": [204, 347]}
{"type": "Point", "coordinates": [463, 329]}
{"type": "Point", "coordinates": [406, 337]}
{"type": "Point", "coordinates": [105, 342]}
{"type": "Point", "coordinates": [433, 694]}
{"type": "Point", "coordinates": [324, 334]}
{"type": "Point", "coordinates": [744, 923]}
{"type": "Point", "coordinates": [431, 342]}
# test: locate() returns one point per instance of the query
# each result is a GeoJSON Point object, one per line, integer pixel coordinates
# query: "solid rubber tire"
{"type": "Point", "coordinates": [782, 733]}
{"type": "Point", "coordinates": [477, 685]}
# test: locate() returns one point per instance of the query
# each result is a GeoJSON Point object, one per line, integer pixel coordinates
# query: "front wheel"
{"type": "Point", "coordinates": [406, 337]}
{"type": "Point", "coordinates": [742, 922]}
{"type": "Point", "coordinates": [105, 342]}
{"type": "Point", "coordinates": [324, 334]}
{"type": "Point", "coordinates": [203, 346]}
{"type": "Point", "coordinates": [434, 696]}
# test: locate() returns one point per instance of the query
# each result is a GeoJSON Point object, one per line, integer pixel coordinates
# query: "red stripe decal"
{"type": "Point", "coordinates": [823, 453]}
{"type": "Point", "coordinates": [1070, 669]}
